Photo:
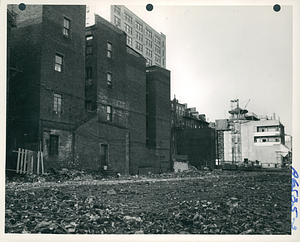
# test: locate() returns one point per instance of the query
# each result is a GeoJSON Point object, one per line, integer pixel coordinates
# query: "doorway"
{"type": "Point", "coordinates": [103, 155]}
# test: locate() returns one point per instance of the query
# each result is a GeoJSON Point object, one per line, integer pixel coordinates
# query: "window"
{"type": "Point", "coordinates": [129, 40]}
{"type": "Point", "coordinates": [109, 50]}
{"type": "Point", "coordinates": [149, 62]}
{"type": "Point", "coordinates": [148, 52]}
{"type": "Point", "coordinates": [88, 105]}
{"type": "Point", "coordinates": [117, 10]}
{"type": "Point", "coordinates": [128, 29]}
{"type": "Point", "coordinates": [117, 21]}
{"type": "Point", "coordinates": [157, 40]}
{"type": "Point", "coordinates": [89, 44]}
{"type": "Point", "coordinates": [128, 18]}
{"type": "Point", "coordinates": [90, 37]}
{"type": "Point", "coordinates": [157, 49]}
{"type": "Point", "coordinates": [103, 155]}
{"type": "Point", "coordinates": [157, 59]}
{"type": "Point", "coordinates": [88, 76]}
{"type": "Point", "coordinates": [57, 103]}
{"type": "Point", "coordinates": [53, 147]}
{"type": "Point", "coordinates": [148, 43]}
{"type": "Point", "coordinates": [139, 26]}
{"type": "Point", "coordinates": [148, 33]}
{"type": "Point", "coordinates": [109, 80]}
{"type": "Point", "coordinates": [58, 63]}
{"type": "Point", "coordinates": [109, 113]}
{"type": "Point", "coordinates": [139, 36]}
{"type": "Point", "coordinates": [139, 46]}
{"type": "Point", "coordinates": [66, 29]}
{"type": "Point", "coordinates": [89, 50]}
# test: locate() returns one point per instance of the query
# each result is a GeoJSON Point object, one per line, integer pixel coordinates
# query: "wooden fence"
{"type": "Point", "coordinates": [30, 162]}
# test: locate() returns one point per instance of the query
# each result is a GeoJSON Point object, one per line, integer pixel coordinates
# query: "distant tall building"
{"type": "Point", "coordinates": [140, 36]}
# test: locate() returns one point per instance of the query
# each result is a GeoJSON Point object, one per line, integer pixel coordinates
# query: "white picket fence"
{"type": "Point", "coordinates": [28, 160]}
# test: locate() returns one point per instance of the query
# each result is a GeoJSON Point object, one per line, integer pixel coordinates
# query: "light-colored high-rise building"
{"type": "Point", "coordinates": [140, 36]}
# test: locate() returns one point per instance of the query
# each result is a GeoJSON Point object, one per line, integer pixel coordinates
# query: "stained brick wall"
{"type": "Point", "coordinates": [126, 133]}
{"type": "Point", "coordinates": [70, 82]}
{"type": "Point", "coordinates": [81, 131]}
{"type": "Point", "coordinates": [36, 41]}
{"type": "Point", "coordinates": [24, 88]}
{"type": "Point", "coordinates": [159, 116]}
{"type": "Point", "coordinates": [136, 96]}
{"type": "Point", "coordinates": [198, 144]}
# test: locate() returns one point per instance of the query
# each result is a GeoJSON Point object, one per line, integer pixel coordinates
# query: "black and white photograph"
{"type": "Point", "coordinates": [150, 120]}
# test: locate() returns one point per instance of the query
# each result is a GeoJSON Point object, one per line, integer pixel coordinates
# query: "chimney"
{"type": "Point", "coordinates": [274, 116]}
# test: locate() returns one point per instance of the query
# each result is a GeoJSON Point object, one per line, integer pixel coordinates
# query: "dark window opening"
{"type": "Point", "coordinates": [90, 105]}
{"type": "Point", "coordinates": [104, 154]}
{"type": "Point", "coordinates": [53, 148]}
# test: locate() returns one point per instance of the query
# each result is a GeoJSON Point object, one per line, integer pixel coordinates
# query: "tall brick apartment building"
{"type": "Point", "coordinates": [81, 98]}
{"type": "Point", "coordinates": [48, 96]}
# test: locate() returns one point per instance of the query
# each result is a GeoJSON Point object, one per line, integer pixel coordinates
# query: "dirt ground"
{"type": "Point", "coordinates": [217, 202]}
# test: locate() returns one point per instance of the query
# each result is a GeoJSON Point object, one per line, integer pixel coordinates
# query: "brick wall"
{"type": "Point", "coordinates": [24, 86]}
{"type": "Point", "coordinates": [136, 96]}
{"type": "Point", "coordinates": [159, 117]}
{"type": "Point", "coordinates": [198, 144]}
{"type": "Point", "coordinates": [70, 81]}
{"type": "Point", "coordinates": [36, 41]}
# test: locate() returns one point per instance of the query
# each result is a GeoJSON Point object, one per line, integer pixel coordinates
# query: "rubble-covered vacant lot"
{"type": "Point", "coordinates": [217, 202]}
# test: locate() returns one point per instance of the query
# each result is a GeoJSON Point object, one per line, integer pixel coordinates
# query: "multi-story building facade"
{"type": "Point", "coordinates": [248, 137]}
{"type": "Point", "coordinates": [187, 118]}
{"type": "Point", "coordinates": [191, 135]}
{"type": "Point", "coordinates": [140, 36]}
{"type": "Point", "coordinates": [81, 98]}
{"type": "Point", "coordinates": [48, 95]}
{"type": "Point", "coordinates": [263, 140]}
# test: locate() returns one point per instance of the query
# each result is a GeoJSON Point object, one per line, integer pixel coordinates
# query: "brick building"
{"type": "Point", "coordinates": [185, 117]}
{"type": "Point", "coordinates": [81, 98]}
{"type": "Point", "coordinates": [191, 135]}
{"type": "Point", "coordinates": [48, 96]}
{"type": "Point", "coordinates": [115, 91]}
{"type": "Point", "coordinates": [158, 118]}
{"type": "Point", "coordinates": [11, 70]}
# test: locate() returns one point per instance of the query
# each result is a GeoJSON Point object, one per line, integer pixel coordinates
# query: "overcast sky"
{"type": "Point", "coordinates": [219, 53]}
